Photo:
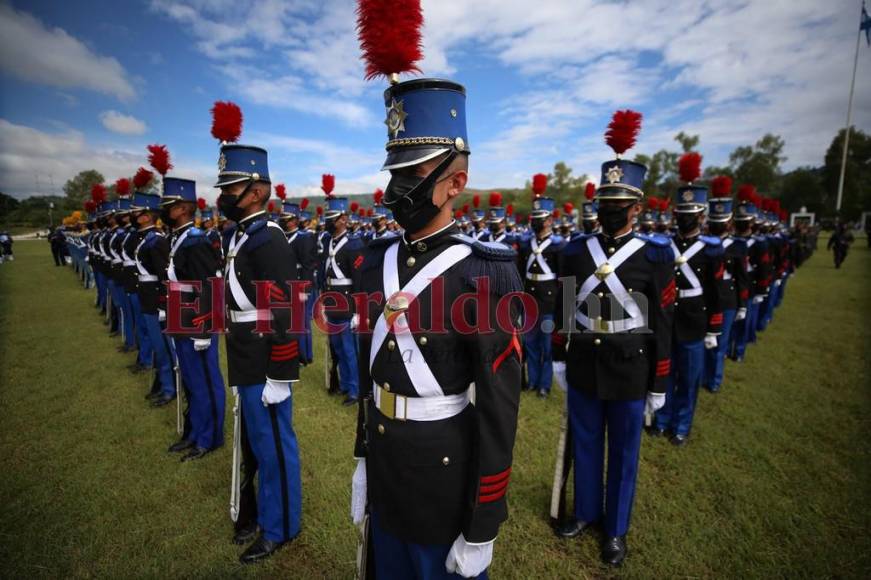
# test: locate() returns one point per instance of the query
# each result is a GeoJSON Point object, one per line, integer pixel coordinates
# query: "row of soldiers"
{"type": "Point", "coordinates": [430, 327]}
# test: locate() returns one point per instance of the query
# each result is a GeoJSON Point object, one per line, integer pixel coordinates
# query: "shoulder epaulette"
{"type": "Point", "coordinates": [260, 233]}
{"type": "Point", "coordinates": [575, 245]}
{"type": "Point", "coordinates": [492, 261]}
{"type": "Point", "coordinates": [658, 249]}
{"type": "Point", "coordinates": [374, 254]}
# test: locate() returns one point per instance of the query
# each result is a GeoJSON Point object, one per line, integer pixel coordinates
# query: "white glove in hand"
{"type": "Point", "coordinates": [710, 341]}
{"type": "Point", "coordinates": [202, 343]}
{"type": "Point", "coordinates": [654, 403]}
{"type": "Point", "coordinates": [355, 320]}
{"type": "Point", "coordinates": [741, 314]}
{"type": "Point", "coordinates": [758, 299]}
{"type": "Point", "coordinates": [777, 283]}
{"type": "Point", "coordinates": [559, 371]}
{"type": "Point", "coordinates": [358, 492]}
{"type": "Point", "coordinates": [161, 315]}
{"type": "Point", "coordinates": [469, 560]}
{"type": "Point", "coordinates": [275, 392]}
{"type": "Point", "coordinates": [235, 391]}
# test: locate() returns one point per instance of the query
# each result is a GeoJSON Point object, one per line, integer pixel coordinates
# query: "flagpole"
{"type": "Point", "coordinates": [849, 118]}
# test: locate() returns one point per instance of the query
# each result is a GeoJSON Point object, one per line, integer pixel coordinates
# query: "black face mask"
{"type": "Point", "coordinates": [410, 197]}
{"type": "Point", "coordinates": [330, 227]}
{"type": "Point", "coordinates": [494, 228]}
{"type": "Point", "coordinates": [229, 204]}
{"type": "Point", "coordinates": [717, 228]}
{"type": "Point", "coordinates": [164, 216]}
{"type": "Point", "coordinates": [538, 226]}
{"type": "Point", "coordinates": [686, 222]}
{"type": "Point", "coordinates": [613, 218]}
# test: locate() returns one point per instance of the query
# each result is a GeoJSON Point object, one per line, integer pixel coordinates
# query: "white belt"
{"type": "Point", "coordinates": [609, 326]}
{"type": "Point", "coordinates": [181, 287]}
{"type": "Point", "coordinates": [404, 408]}
{"type": "Point", "coordinates": [250, 315]}
{"type": "Point", "coordinates": [116, 261]}
{"type": "Point", "coordinates": [690, 292]}
{"type": "Point", "coordinates": [129, 262]}
{"type": "Point", "coordinates": [339, 281]}
{"type": "Point", "coordinates": [147, 278]}
{"type": "Point", "coordinates": [540, 277]}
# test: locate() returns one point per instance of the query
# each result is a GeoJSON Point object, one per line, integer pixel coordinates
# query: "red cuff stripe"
{"type": "Point", "coordinates": [663, 367]}
{"type": "Point", "coordinates": [285, 347]}
{"type": "Point", "coordinates": [358, 262]}
{"type": "Point", "coordinates": [495, 478]}
{"type": "Point", "coordinates": [492, 497]}
{"type": "Point", "coordinates": [513, 346]}
{"type": "Point", "coordinates": [202, 318]}
{"type": "Point", "coordinates": [745, 294]}
{"type": "Point", "coordinates": [717, 319]}
{"type": "Point", "coordinates": [668, 294]}
{"type": "Point", "coordinates": [488, 489]}
{"type": "Point", "coordinates": [283, 357]}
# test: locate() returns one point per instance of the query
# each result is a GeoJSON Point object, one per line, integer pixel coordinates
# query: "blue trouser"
{"type": "Point", "coordinates": [396, 559]}
{"type": "Point", "coordinates": [117, 308]}
{"type": "Point", "coordinates": [162, 356]}
{"type": "Point", "coordinates": [765, 309]}
{"type": "Point", "coordinates": [306, 339]}
{"type": "Point", "coordinates": [119, 296]}
{"type": "Point", "coordinates": [774, 300]}
{"type": "Point", "coordinates": [344, 345]}
{"type": "Point", "coordinates": [590, 418]}
{"type": "Point", "coordinates": [781, 290]}
{"type": "Point", "coordinates": [753, 320]}
{"type": "Point", "coordinates": [738, 336]}
{"type": "Point", "coordinates": [687, 365]}
{"type": "Point", "coordinates": [270, 432]}
{"type": "Point", "coordinates": [715, 358]}
{"type": "Point", "coordinates": [100, 280]}
{"type": "Point", "coordinates": [539, 357]}
{"type": "Point", "coordinates": [205, 389]}
{"type": "Point", "coordinates": [142, 338]}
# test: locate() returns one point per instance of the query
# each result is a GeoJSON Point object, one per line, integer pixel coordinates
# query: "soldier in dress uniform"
{"type": "Point", "coordinates": [120, 271]}
{"type": "Point", "coordinates": [613, 349]}
{"type": "Point", "coordinates": [302, 244]}
{"type": "Point", "coordinates": [734, 285]}
{"type": "Point", "coordinates": [341, 271]}
{"type": "Point", "coordinates": [192, 264]}
{"type": "Point", "coordinates": [663, 222]}
{"type": "Point", "coordinates": [479, 225]}
{"type": "Point", "coordinates": [260, 266]}
{"type": "Point", "coordinates": [647, 221]}
{"type": "Point", "coordinates": [698, 316]}
{"type": "Point", "coordinates": [380, 219]}
{"type": "Point", "coordinates": [496, 216]}
{"type": "Point", "coordinates": [755, 268]}
{"type": "Point", "coordinates": [151, 258]}
{"type": "Point", "coordinates": [538, 260]}
{"type": "Point", "coordinates": [589, 211]}
{"type": "Point", "coordinates": [436, 467]}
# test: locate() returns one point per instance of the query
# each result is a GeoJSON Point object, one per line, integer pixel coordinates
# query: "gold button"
{"type": "Point", "coordinates": [611, 250]}
{"type": "Point", "coordinates": [421, 247]}
{"type": "Point", "coordinates": [446, 460]}
{"type": "Point", "coordinates": [410, 261]}
{"type": "Point", "coordinates": [381, 429]}
{"type": "Point", "coordinates": [641, 350]}
{"type": "Point", "coordinates": [601, 294]}
{"type": "Point", "coordinates": [423, 341]}
{"type": "Point", "coordinates": [386, 387]}
{"type": "Point", "coordinates": [391, 345]}
{"type": "Point", "coordinates": [597, 342]}
{"type": "Point", "coordinates": [629, 289]}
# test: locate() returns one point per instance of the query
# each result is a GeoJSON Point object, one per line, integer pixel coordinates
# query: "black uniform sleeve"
{"type": "Point", "coordinates": [199, 264]}
{"type": "Point", "coordinates": [741, 278]}
{"type": "Point", "coordinates": [307, 258]}
{"type": "Point", "coordinates": [711, 292]}
{"type": "Point", "coordinates": [660, 319]}
{"type": "Point", "coordinates": [274, 261]}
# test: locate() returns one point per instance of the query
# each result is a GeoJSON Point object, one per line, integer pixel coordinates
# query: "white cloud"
{"type": "Point", "coordinates": [123, 124]}
{"type": "Point", "coordinates": [32, 52]}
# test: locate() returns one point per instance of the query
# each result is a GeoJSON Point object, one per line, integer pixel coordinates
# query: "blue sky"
{"type": "Point", "coordinates": [90, 86]}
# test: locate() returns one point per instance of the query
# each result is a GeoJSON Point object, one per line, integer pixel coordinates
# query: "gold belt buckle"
{"type": "Point", "coordinates": [387, 405]}
{"type": "Point", "coordinates": [601, 325]}
{"type": "Point", "coordinates": [396, 305]}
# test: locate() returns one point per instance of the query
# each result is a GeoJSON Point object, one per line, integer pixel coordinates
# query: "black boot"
{"type": "Point", "coordinates": [194, 454]}
{"type": "Point", "coordinates": [245, 534]}
{"type": "Point", "coordinates": [260, 550]}
{"type": "Point", "coordinates": [572, 528]}
{"type": "Point", "coordinates": [614, 550]}
{"type": "Point", "coordinates": [180, 446]}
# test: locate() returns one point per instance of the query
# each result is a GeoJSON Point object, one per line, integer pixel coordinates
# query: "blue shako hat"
{"type": "Point", "coordinates": [622, 179]}
{"type": "Point", "coordinates": [289, 209]}
{"type": "Point", "coordinates": [106, 208]}
{"type": "Point", "coordinates": [207, 214]}
{"type": "Point", "coordinates": [425, 118]}
{"type": "Point", "coordinates": [691, 199]}
{"type": "Point", "coordinates": [145, 201]}
{"type": "Point", "coordinates": [336, 206]}
{"type": "Point", "coordinates": [589, 211]}
{"type": "Point", "coordinates": [720, 209]}
{"type": "Point", "coordinates": [123, 204]}
{"type": "Point", "coordinates": [239, 163]}
{"type": "Point", "coordinates": [746, 210]}
{"type": "Point", "coordinates": [177, 189]}
{"type": "Point", "coordinates": [542, 207]}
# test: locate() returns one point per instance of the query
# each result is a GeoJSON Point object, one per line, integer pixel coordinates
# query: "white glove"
{"type": "Point", "coordinates": [202, 344]}
{"type": "Point", "coordinates": [710, 341]}
{"type": "Point", "coordinates": [777, 283]}
{"type": "Point", "coordinates": [758, 299]}
{"type": "Point", "coordinates": [358, 492]}
{"type": "Point", "coordinates": [559, 371]}
{"type": "Point", "coordinates": [275, 392]}
{"type": "Point", "coordinates": [302, 296]}
{"type": "Point", "coordinates": [161, 315]}
{"type": "Point", "coordinates": [235, 391]}
{"type": "Point", "coordinates": [469, 560]}
{"type": "Point", "coordinates": [741, 314]}
{"type": "Point", "coordinates": [355, 320]}
{"type": "Point", "coordinates": [654, 403]}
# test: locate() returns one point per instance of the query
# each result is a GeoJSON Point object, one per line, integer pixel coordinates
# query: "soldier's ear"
{"type": "Point", "coordinates": [457, 183]}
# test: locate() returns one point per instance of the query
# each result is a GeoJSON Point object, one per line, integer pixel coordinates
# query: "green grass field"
{"type": "Point", "coordinates": [774, 484]}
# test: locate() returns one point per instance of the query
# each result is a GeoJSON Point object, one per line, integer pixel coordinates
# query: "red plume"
{"type": "Point", "coordinates": [495, 199]}
{"type": "Point", "coordinates": [623, 130]}
{"type": "Point", "coordinates": [122, 187]}
{"type": "Point", "coordinates": [509, 210]}
{"type": "Point", "coordinates": [458, 214]}
{"type": "Point", "coordinates": [389, 34]}
{"type": "Point", "coordinates": [721, 186]}
{"type": "Point", "coordinates": [555, 213]}
{"type": "Point", "coordinates": [98, 193]}
{"type": "Point", "coordinates": [378, 196]}
{"type": "Point", "coordinates": [271, 207]}
{"type": "Point", "coordinates": [280, 191]}
{"type": "Point", "coordinates": [354, 206]}
{"type": "Point", "coordinates": [361, 212]}
{"type": "Point", "coordinates": [568, 207]}
{"type": "Point", "coordinates": [304, 203]}
{"type": "Point", "coordinates": [328, 182]}
{"type": "Point", "coordinates": [663, 204]}
{"type": "Point", "coordinates": [476, 200]}
{"type": "Point", "coordinates": [465, 208]}
{"type": "Point", "coordinates": [653, 203]}
{"type": "Point", "coordinates": [142, 178]}
{"type": "Point", "coordinates": [746, 192]}
{"type": "Point", "coordinates": [590, 191]}
{"type": "Point", "coordinates": [90, 206]}
{"type": "Point", "coordinates": [539, 184]}
{"type": "Point", "coordinates": [689, 166]}
{"type": "Point", "coordinates": [158, 157]}
{"type": "Point", "coordinates": [201, 203]}
{"type": "Point", "coordinates": [370, 212]}
{"type": "Point", "coordinates": [320, 210]}
{"type": "Point", "coordinates": [226, 121]}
